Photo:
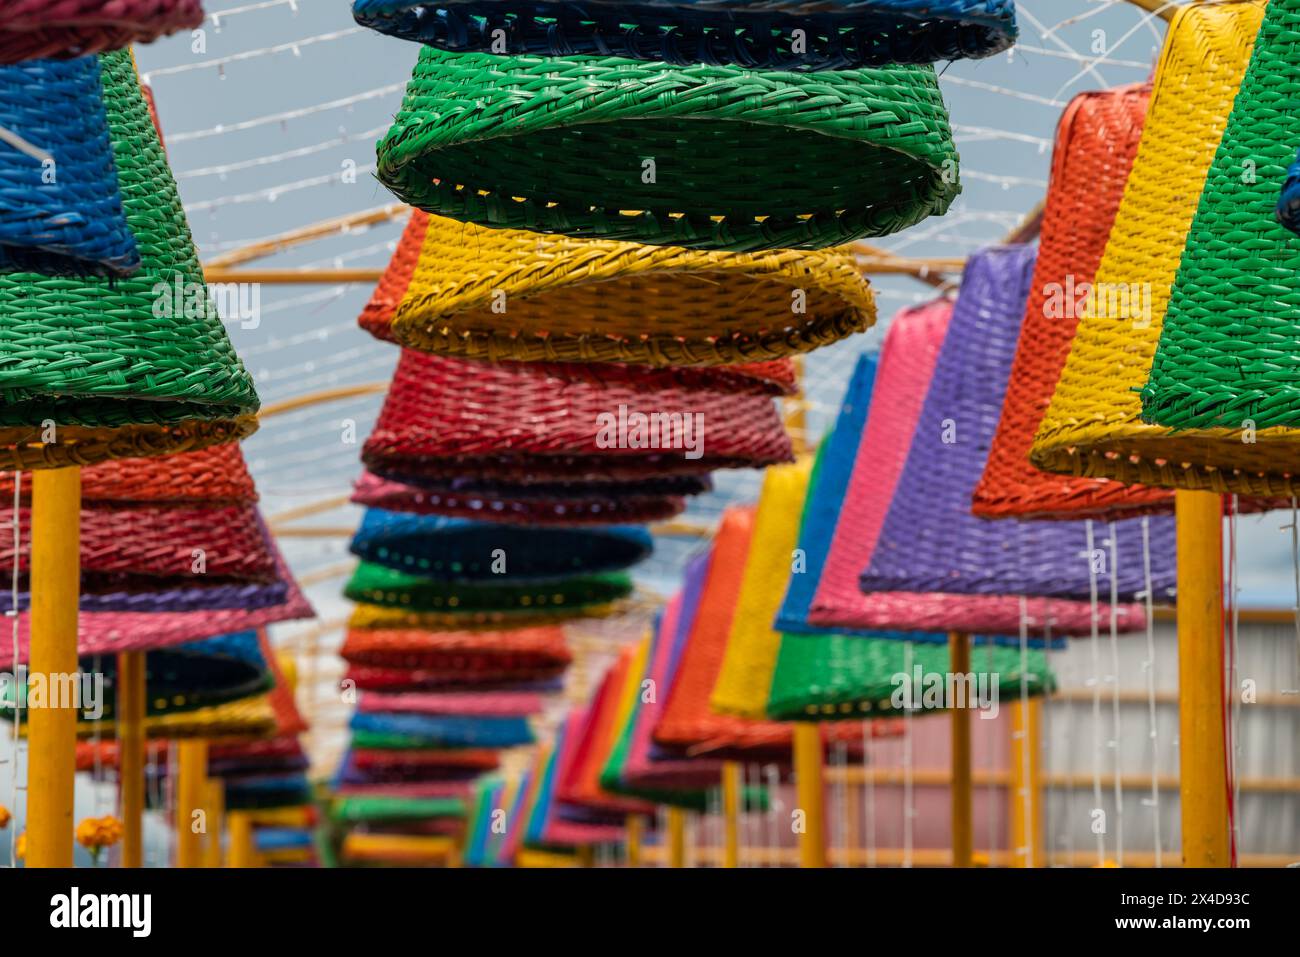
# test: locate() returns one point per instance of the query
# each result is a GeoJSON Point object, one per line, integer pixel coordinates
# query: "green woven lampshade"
{"type": "Point", "coordinates": [386, 587]}
{"type": "Point", "coordinates": [364, 808]}
{"type": "Point", "coordinates": [93, 369]}
{"type": "Point", "coordinates": [703, 156]}
{"type": "Point", "coordinates": [829, 676]}
{"type": "Point", "coordinates": [1227, 358]}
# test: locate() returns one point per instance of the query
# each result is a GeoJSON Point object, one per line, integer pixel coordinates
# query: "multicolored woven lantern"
{"type": "Point", "coordinates": [519, 423]}
{"type": "Point", "coordinates": [60, 207]}
{"type": "Point", "coordinates": [784, 35]}
{"type": "Point", "coordinates": [74, 28]}
{"type": "Point", "coordinates": [1093, 425]}
{"type": "Point", "coordinates": [1226, 359]}
{"type": "Point", "coordinates": [453, 549]}
{"type": "Point", "coordinates": [510, 294]}
{"type": "Point", "coordinates": [1096, 141]}
{"type": "Point", "coordinates": [712, 156]}
{"type": "Point", "coordinates": [906, 364]}
{"type": "Point", "coordinates": [399, 730]}
{"type": "Point", "coordinates": [929, 541]}
{"type": "Point", "coordinates": [530, 510]}
{"type": "Point", "coordinates": [98, 368]}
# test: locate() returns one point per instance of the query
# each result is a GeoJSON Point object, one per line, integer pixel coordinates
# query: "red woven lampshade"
{"type": "Point", "coordinates": [35, 29]}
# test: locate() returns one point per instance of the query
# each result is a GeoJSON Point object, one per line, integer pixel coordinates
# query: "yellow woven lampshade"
{"type": "Point", "coordinates": [512, 294]}
{"type": "Point", "coordinates": [752, 646]}
{"type": "Point", "coordinates": [1093, 426]}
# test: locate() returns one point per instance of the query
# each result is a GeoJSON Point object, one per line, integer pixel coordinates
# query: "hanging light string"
{"type": "Point", "coordinates": [908, 811]}
{"type": "Point", "coordinates": [1116, 760]}
{"type": "Point", "coordinates": [1094, 682]}
{"type": "Point", "coordinates": [221, 62]}
{"type": "Point", "coordinates": [1049, 654]}
{"type": "Point", "coordinates": [1026, 795]}
{"type": "Point", "coordinates": [869, 796]}
{"type": "Point", "coordinates": [1149, 667]}
{"type": "Point", "coordinates": [1233, 676]}
{"type": "Point", "coordinates": [991, 788]}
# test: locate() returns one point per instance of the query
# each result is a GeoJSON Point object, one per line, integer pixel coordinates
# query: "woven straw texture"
{"type": "Point", "coordinates": [1096, 141]}
{"type": "Point", "coordinates": [512, 294]}
{"type": "Point", "coordinates": [75, 224]}
{"type": "Point", "coordinates": [1288, 203]}
{"type": "Point", "coordinates": [443, 731]}
{"type": "Point", "coordinates": [1093, 426]}
{"type": "Point", "coordinates": [541, 649]}
{"type": "Point", "coordinates": [553, 824]}
{"type": "Point", "coordinates": [70, 28]}
{"type": "Point", "coordinates": [929, 541]}
{"type": "Point", "coordinates": [379, 493]}
{"type": "Point", "coordinates": [94, 354]}
{"type": "Point", "coordinates": [590, 488]}
{"type": "Point", "coordinates": [752, 643]}
{"type": "Point", "coordinates": [838, 35]}
{"type": "Point", "coordinates": [1227, 356]}
{"type": "Point", "coordinates": [833, 677]}
{"type": "Point", "coordinates": [446, 417]}
{"type": "Point", "coordinates": [488, 703]}
{"type": "Point", "coordinates": [906, 363]}
{"type": "Point", "coordinates": [386, 587]}
{"type": "Point", "coordinates": [547, 281]}
{"type": "Point", "coordinates": [774, 159]}
{"type": "Point", "coordinates": [111, 632]}
{"type": "Point", "coordinates": [452, 549]}
{"type": "Point", "coordinates": [376, 616]}
{"type": "Point", "coordinates": [359, 809]}
{"type": "Point", "coordinates": [687, 722]}
{"type": "Point", "coordinates": [212, 476]}
{"type": "Point", "coordinates": [147, 542]}
{"type": "Point", "coordinates": [152, 594]}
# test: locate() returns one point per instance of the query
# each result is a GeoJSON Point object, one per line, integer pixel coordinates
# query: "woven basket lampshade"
{"type": "Point", "coordinates": [1226, 357]}
{"type": "Point", "coordinates": [109, 632]}
{"type": "Point", "coordinates": [582, 488]}
{"type": "Point", "coordinates": [444, 418]}
{"type": "Point", "coordinates": [116, 373]}
{"type": "Point", "coordinates": [389, 588]}
{"type": "Point", "coordinates": [1093, 426]}
{"type": "Point", "coordinates": [478, 704]}
{"type": "Point", "coordinates": [687, 723]}
{"type": "Point", "coordinates": [752, 643]}
{"type": "Point", "coordinates": [554, 824]}
{"type": "Point", "coordinates": [714, 156]}
{"type": "Point", "coordinates": [905, 367]}
{"type": "Point", "coordinates": [1096, 141]}
{"type": "Point", "coordinates": [60, 207]}
{"type": "Point", "coordinates": [531, 510]}
{"type": "Point", "coordinates": [837, 35]}
{"type": "Point", "coordinates": [929, 541]}
{"type": "Point", "coordinates": [413, 772]}
{"type": "Point", "coordinates": [508, 294]}
{"type": "Point", "coordinates": [453, 549]}
{"type": "Point", "coordinates": [30, 29]}
{"type": "Point", "coordinates": [463, 657]}
{"type": "Point", "coordinates": [397, 730]}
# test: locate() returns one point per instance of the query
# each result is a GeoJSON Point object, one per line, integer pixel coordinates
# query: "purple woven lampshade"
{"type": "Point", "coordinates": [930, 541]}
{"type": "Point", "coordinates": [192, 596]}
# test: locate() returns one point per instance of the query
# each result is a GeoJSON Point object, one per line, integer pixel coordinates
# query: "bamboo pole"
{"type": "Point", "coordinates": [1026, 791]}
{"type": "Point", "coordinates": [676, 837]}
{"type": "Point", "coordinates": [811, 793]}
{"type": "Point", "coordinates": [633, 825]}
{"type": "Point", "coordinates": [52, 731]}
{"type": "Point", "coordinates": [192, 756]}
{"type": "Point", "coordinates": [959, 714]}
{"type": "Point", "coordinates": [731, 813]}
{"type": "Point", "coordinates": [243, 852]}
{"type": "Point", "coordinates": [130, 746]}
{"type": "Point", "coordinates": [215, 791]}
{"type": "Point", "coordinates": [1202, 755]}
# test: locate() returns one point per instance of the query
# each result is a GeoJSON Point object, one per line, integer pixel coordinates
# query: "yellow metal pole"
{"type": "Point", "coordinates": [216, 802]}
{"type": "Point", "coordinates": [1026, 794]}
{"type": "Point", "coordinates": [731, 813]}
{"type": "Point", "coordinates": [962, 826]}
{"type": "Point", "coordinates": [1202, 756]}
{"type": "Point", "coordinates": [633, 825]}
{"type": "Point", "coordinates": [676, 837]}
{"type": "Point", "coordinates": [52, 727]}
{"type": "Point", "coordinates": [811, 793]}
{"type": "Point", "coordinates": [243, 852]}
{"type": "Point", "coordinates": [130, 746]}
{"type": "Point", "coordinates": [191, 779]}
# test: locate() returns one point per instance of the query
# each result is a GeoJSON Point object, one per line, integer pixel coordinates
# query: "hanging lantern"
{"type": "Point", "coordinates": [73, 28]}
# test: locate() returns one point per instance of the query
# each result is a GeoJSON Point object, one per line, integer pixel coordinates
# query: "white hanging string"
{"type": "Point", "coordinates": [1234, 680]}
{"type": "Point", "coordinates": [1094, 683]}
{"type": "Point", "coordinates": [271, 159]}
{"type": "Point", "coordinates": [221, 62]}
{"type": "Point", "coordinates": [220, 129]}
{"type": "Point", "coordinates": [840, 840]}
{"type": "Point", "coordinates": [1295, 568]}
{"type": "Point", "coordinates": [272, 193]}
{"type": "Point", "coordinates": [775, 830]}
{"type": "Point", "coordinates": [1026, 851]}
{"type": "Point", "coordinates": [991, 790]}
{"type": "Point", "coordinates": [1113, 678]}
{"type": "Point", "coordinates": [1149, 667]}
{"type": "Point", "coordinates": [217, 16]}
{"type": "Point", "coordinates": [908, 811]}
{"type": "Point", "coordinates": [1051, 658]}
{"type": "Point", "coordinates": [869, 796]}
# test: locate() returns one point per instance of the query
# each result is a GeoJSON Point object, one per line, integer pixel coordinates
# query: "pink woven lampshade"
{"type": "Point", "coordinates": [907, 363]}
{"type": "Point", "coordinates": [34, 29]}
